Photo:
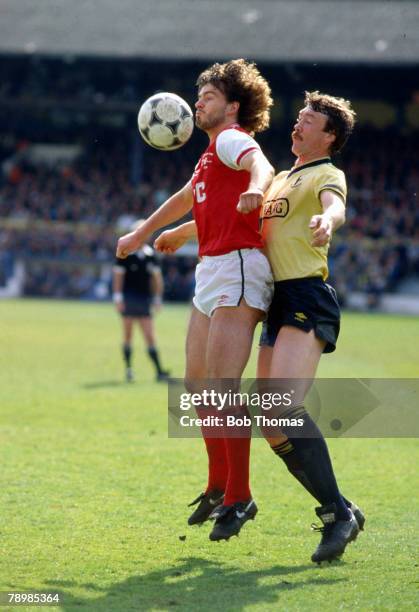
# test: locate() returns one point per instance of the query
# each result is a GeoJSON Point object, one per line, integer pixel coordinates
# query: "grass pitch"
{"type": "Point", "coordinates": [93, 493]}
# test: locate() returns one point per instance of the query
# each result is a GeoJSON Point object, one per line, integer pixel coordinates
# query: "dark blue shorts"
{"type": "Point", "coordinates": [306, 303]}
{"type": "Point", "coordinates": [137, 307]}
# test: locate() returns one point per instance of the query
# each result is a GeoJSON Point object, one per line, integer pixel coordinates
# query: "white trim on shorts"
{"type": "Point", "coordinates": [225, 280]}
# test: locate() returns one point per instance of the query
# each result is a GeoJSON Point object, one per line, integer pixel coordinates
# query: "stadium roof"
{"type": "Point", "coordinates": [360, 31]}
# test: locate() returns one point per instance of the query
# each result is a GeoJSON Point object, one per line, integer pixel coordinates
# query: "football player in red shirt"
{"type": "Point", "coordinates": [233, 279]}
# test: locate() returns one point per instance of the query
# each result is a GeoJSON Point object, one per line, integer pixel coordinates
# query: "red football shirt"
{"type": "Point", "coordinates": [217, 183]}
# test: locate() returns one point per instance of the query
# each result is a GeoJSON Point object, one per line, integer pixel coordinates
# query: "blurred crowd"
{"type": "Point", "coordinates": [63, 221]}
{"type": "Point", "coordinates": [95, 189]}
{"type": "Point", "coordinates": [379, 244]}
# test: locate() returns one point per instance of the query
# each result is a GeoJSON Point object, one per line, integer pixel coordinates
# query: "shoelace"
{"type": "Point", "coordinates": [325, 530]}
{"type": "Point", "coordinates": [322, 528]}
{"type": "Point", "coordinates": [197, 500]}
{"type": "Point", "coordinates": [224, 511]}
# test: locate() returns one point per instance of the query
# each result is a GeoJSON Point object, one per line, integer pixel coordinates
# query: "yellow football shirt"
{"type": "Point", "coordinates": [289, 204]}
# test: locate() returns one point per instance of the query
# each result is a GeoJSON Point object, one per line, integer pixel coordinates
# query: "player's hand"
{"type": "Point", "coordinates": [157, 303]}
{"type": "Point", "coordinates": [120, 307]}
{"type": "Point", "coordinates": [118, 300]}
{"type": "Point", "coordinates": [321, 227]}
{"type": "Point", "coordinates": [250, 200]}
{"type": "Point", "coordinates": [130, 243]}
{"type": "Point", "coordinates": [169, 241]}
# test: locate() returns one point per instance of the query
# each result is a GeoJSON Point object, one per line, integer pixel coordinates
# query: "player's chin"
{"type": "Point", "coordinates": [295, 149]}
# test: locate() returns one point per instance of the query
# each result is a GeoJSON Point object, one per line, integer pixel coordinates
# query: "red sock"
{"type": "Point", "coordinates": [238, 456]}
{"type": "Point", "coordinates": [217, 458]}
{"type": "Point", "coordinates": [217, 463]}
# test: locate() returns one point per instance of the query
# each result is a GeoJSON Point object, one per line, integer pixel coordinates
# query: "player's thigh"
{"type": "Point", "coordinates": [230, 340]}
{"type": "Point", "coordinates": [147, 327]}
{"type": "Point", "coordinates": [196, 346]}
{"type": "Point", "coordinates": [296, 355]}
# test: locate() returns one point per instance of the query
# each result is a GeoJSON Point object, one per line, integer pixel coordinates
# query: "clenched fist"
{"type": "Point", "coordinates": [250, 200]}
{"type": "Point", "coordinates": [170, 241]}
{"type": "Point", "coordinates": [130, 243]}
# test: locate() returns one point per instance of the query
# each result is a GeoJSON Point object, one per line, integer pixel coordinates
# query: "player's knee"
{"type": "Point", "coordinates": [192, 384]}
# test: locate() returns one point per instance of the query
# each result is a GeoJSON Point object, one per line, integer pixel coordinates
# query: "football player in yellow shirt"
{"type": "Point", "coordinates": [301, 210]}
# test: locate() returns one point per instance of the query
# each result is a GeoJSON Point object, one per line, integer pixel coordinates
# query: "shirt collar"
{"type": "Point", "coordinates": [316, 162]}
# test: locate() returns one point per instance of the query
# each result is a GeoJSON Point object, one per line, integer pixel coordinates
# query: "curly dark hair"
{"type": "Point", "coordinates": [341, 117]}
{"type": "Point", "coordinates": [240, 81]}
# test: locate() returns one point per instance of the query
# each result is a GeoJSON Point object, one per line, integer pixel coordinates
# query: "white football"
{"type": "Point", "coordinates": [165, 121]}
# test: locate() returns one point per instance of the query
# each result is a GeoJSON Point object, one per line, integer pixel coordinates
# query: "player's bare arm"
{"type": "Point", "coordinates": [173, 209]}
{"type": "Point", "coordinates": [332, 218]}
{"type": "Point", "coordinates": [171, 240]}
{"type": "Point", "coordinates": [261, 177]}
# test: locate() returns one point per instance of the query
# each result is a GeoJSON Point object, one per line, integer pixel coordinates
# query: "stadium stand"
{"type": "Point", "coordinates": [70, 215]}
{"type": "Point", "coordinates": [74, 171]}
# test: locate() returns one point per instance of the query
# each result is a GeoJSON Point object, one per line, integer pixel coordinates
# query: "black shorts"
{"type": "Point", "coordinates": [306, 303]}
{"type": "Point", "coordinates": [137, 307]}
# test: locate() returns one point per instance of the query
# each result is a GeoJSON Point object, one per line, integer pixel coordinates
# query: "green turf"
{"type": "Point", "coordinates": [93, 492]}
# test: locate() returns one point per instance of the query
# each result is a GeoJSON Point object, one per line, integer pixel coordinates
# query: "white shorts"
{"type": "Point", "coordinates": [224, 280]}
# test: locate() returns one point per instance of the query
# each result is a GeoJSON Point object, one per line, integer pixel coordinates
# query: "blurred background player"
{"type": "Point", "coordinates": [137, 291]}
{"type": "Point", "coordinates": [233, 281]}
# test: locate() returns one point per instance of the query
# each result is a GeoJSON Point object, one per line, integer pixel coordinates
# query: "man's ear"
{"type": "Point", "coordinates": [233, 107]}
{"type": "Point", "coordinates": [330, 138]}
